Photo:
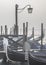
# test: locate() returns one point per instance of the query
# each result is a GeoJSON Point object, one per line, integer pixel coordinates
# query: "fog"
{"type": "Point", "coordinates": [38, 15]}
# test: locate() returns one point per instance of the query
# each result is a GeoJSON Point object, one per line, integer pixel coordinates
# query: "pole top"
{"type": "Point", "coordinates": [16, 5]}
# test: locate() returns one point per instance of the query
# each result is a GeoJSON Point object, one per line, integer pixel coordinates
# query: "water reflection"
{"type": "Point", "coordinates": [8, 63]}
{"type": "Point", "coordinates": [11, 63]}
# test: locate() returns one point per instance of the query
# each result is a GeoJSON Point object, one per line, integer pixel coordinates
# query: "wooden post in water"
{"type": "Point", "coordinates": [41, 36]}
{"type": "Point", "coordinates": [10, 31]}
{"type": "Point", "coordinates": [26, 30]}
{"type": "Point", "coordinates": [14, 29]}
{"type": "Point", "coordinates": [33, 32]}
{"type": "Point", "coordinates": [23, 36]}
{"type": "Point", "coordinates": [27, 46]}
{"type": "Point", "coordinates": [6, 30]}
{"type": "Point", "coordinates": [1, 30]}
{"type": "Point", "coordinates": [25, 43]}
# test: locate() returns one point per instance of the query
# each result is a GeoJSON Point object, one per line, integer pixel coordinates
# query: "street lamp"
{"type": "Point", "coordinates": [16, 12]}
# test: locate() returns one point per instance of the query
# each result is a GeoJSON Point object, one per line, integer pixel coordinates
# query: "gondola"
{"type": "Point", "coordinates": [15, 55]}
{"type": "Point", "coordinates": [20, 56]}
{"type": "Point", "coordinates": [33, 60]}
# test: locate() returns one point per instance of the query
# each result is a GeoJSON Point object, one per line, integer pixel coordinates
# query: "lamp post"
{"type": "Point", "coordinates": [16, 15]}
{"type": "Point", "coordinates": [16, 23]}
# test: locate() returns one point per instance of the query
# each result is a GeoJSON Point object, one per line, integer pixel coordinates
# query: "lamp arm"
{"type": "Point", "coordinates": [24, 7]}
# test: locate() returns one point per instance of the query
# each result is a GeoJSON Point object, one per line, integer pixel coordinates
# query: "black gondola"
{"type": "Point", "coordinates": [35, 60]}
{"type": "Point", "coordinates": [15, 55]}
{"type": "Point", "coordinates": [20, 56]}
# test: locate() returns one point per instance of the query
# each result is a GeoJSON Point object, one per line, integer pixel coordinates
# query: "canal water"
{"type": "Point", "coordinates": [12, 63]}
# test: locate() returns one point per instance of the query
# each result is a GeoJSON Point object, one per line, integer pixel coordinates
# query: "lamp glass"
{"type": "Point", "coordinates": [30, 10]}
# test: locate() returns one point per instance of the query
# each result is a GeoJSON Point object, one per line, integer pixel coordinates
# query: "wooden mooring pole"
{"type": "Point", "coordinates": [26, 46]}
{"type": "Point", "coordinates": [1, 30]}
{"type": "Point", "coordinates": [10, 31]}
{"type": "Point", "coordinates": [6, 32]}
{"type": "Point", "coordinates": [23, 36]}
{"type": "Point", "coordinates": [33, 32]}
{"type": "Point", "coordinates": [41, 36]}
{"type": "Point", "coordinates": [26, 30]}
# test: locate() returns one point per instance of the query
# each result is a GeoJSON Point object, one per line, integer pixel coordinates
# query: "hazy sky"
{"type": "Point", "coordinates": [7, 13]}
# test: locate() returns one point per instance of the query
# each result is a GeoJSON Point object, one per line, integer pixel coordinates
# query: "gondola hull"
{"type": "Point", "coordinates": [19, 56]}
{"type": "Point", "coordinates": [16, 56]}
{"type": "Point", "coordinates": [34, 61]}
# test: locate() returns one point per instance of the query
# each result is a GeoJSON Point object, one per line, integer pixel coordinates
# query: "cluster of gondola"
{"type": "Point", "coordinates": [14, 42]}
{"type": "Point", "coordinates": [12, 54]}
